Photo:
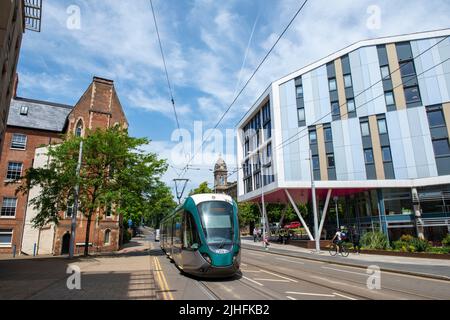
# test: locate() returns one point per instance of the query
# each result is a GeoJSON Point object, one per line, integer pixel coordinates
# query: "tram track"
{"type": "Point", "coordinates": [319, 283]}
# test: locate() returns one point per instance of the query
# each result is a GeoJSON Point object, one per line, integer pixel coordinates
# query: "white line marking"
{"type": "Point", "coordinates": [251, 271]}
{"type": "Point", "coordinates": [244, 265]}
{"type": "Point", "coordinates": [290, 298]}
{"type": "Point", "coordinates": [271, 280]}
{"type": "Point", "coordinates": [358, 273]}
{"type": "Point", "coordinates": [311, 294]}
{"type": "Point", "coordinates": [282, 259]}
{"type": "Point", "coordinates": [276, 275]}
{"type": "Point", "coordinates": [251, 280]}
{"type": "Point", "coordinates": [343, 296]}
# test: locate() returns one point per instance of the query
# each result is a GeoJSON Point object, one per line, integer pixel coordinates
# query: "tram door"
{"type": "Point", "coordinates": [177, 240]}
{"type": "Point", "coordinates": [191, 242]}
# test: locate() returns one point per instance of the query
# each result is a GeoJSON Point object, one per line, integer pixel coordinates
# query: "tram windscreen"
{"type": "Point", "coordinates": [217, 221]}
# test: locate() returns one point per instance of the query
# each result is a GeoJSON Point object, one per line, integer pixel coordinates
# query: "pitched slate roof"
{"type": "Point", "coordinates": [42, 115]}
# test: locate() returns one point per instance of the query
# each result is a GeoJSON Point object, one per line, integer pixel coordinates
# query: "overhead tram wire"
{"type": "Point", "coordinates": [371, 100]}
{"type": "Point", "coordinates": [167, 74]}
{"type": "Point", "coordinates": [248, 81]}
{"type": "Point", "coordinates": [286, 142]}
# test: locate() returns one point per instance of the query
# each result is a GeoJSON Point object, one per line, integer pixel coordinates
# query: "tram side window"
{"type": "Point", "coordinates": [177, 227]}
{"type": "Point", "coordinates": [190, 239]}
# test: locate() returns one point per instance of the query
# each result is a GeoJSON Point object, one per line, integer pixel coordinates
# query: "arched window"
{"type": "Point", "coordinates": [107, 237]}
{"type": "Point", "coordinates": [79, 128]}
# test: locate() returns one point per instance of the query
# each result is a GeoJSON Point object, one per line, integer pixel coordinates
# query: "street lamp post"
{"type": "Point", "coordinates": [336, 208]}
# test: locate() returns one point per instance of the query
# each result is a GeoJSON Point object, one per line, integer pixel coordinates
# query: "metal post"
{"type": "Point", "coordinates": [313, 191]}
{"type": "Point", "coordinates": [75, 205]}
{"type": "Point", "coordinates": [14, 251]}
{"type": "Point", "coordinates": [34, 249]}
{"type": "Point", "coordinates": [262, 200]}
{"type": "Point", "coordinates": [337, 212]}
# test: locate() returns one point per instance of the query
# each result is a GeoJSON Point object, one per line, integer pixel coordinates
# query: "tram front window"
{"type": "Point", "coordinates": [217, 222]}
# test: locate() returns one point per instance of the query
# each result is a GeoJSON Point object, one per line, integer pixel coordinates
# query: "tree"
{"type": "Point", "coordinates": [248, 213]}
{"type": "Point", "coordinates": [115, 175]}
{"type": "Point", "coordinates": [202, 188]}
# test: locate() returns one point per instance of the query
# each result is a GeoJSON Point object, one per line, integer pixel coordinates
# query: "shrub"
{"type": "Point", "coordinates": [446, 240]}
{"type": "Point", "coordinates": [126, 236]}
{"type": "Point", "coordinates": [408, 243]}
{"type": "Point", "coordinates": [406, 238]}
{"type": "Point", "coordinates": [400, 245]}
{"type": "Point", "coordinates": [420, 245]}
{"type": "Point", "coordinates": [375, 240]}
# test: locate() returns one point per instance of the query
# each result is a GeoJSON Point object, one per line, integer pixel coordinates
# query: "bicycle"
{"type": "Point", "coordinates": [334, 250]}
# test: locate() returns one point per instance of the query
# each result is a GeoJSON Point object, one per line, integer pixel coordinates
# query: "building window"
{"type": "Point", "coordinates": [328, 134]}
{"type": "Point", "coordinates": [107, 237]}
{"type": "Point", "coordinates": [412, 94]}
{"type": "Point", "coordinates": [108, 211]}
{"type": "Point", "coordinates": [348, 81]}
{"type": "Point", "coordinates": [269, 150]}
{"type": "Point", "coordinates": [79, 129]}
{"type": "Point", "coordinates": [386, 153]}
{"type": "Point", "coordinates": [69, 210]}
{"type": "Point", "coordinates": [382, 127]}
{"type": "Point", "coordinates": [330, 161]}
{"type": "Point", "coordinates": [24, 110]}
{"type": "Point", "coordinates": [332, 84]}
{"type": "Point", "coordinates": [407, 69]}
{"type": "Point", "coordinates": [301, 114]}
{"type": "Point", "coordinates": [313, 137]}
{"type": "Point", "coordinates": [389, 97]}
{"type": "Point", "coordinates": [351, 105]}
{"type": "Point", "coordinates": [441, 147]}
{"type": "Point", "coordinates": [14, 171]}
{"type": "Point", "coordinates": [299, 91]}
{"type": "Point", "coordinates": [368, 156]}
{"type": "Point", "coordinates": [335, 110]}
{"type": "Point", "coordinates": [385, 73]}
{"type": "Point", "coordinates": [365, 131]}
{"type": "Point", "coordinates": [9, 207]}
{"type": "Point", "coordinates": [316, 163]}
{"type": "Point", "coordinates": [6, 237]}
{"type": "Point", "coordinates": [436, 118]}
{"type": "Point", "coordinates": [19, 141]}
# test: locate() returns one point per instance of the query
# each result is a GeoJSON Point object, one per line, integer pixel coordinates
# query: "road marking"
{"type": "Point", "coordinates": [276, 275]}
{"type": "Point", "coordinates": [358, 273]}
{"type": "Point", "coordinates": [282, 259]}
{"type": "Point", "coordinates": [244, 265]}
{"type": "Point", "coordinates": [251, 280]}
{"type": "Point", "coordinates": [163, 283]}
{"type": "Point", "coordinates": [343, 296]}
{"type": "Point", "coordinates": [271, 280]}
{"type": "Point", "coordinates": [251, 271]}
{"type": "Point", "coordinates": [290, 298]}
{"type": "Point", "coordinates": [158, 276]}
{"type": "Point", "coordinates": [310, 294]}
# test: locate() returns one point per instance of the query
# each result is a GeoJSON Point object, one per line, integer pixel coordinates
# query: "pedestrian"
{"type": "Point", "coordinates": [255, 234]}
{"type": "Point", "coordinates": [259, 234]}
{"type": "Point", "coordinates": [356, 239]}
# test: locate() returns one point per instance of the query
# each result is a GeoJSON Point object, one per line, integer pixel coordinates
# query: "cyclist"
{"type": "Point", "coordinates": [338, 239]}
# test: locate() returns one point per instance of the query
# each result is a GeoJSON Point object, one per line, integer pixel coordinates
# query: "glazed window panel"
{"type": "Point", "coordinates": [9, 207]}
{"type": "Point", "coordinates": [14, 171]}
{"type": "Point", "coordinates": [19, 141]}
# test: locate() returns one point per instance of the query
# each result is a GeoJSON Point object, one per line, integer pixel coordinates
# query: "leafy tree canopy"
{"type": "Point", "coordinates": [202, 188]}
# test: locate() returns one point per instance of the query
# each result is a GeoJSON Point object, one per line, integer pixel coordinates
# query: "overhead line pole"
{"type": "Point", "coordinates": [73, 226]}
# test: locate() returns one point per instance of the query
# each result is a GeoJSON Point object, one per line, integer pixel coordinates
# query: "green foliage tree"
{"type": "Point", "coordinates": [114, 172]}
{"type": "Point", "coordinates": [248, 213]}
{"type": "Point", "coordinates": [202, 188]}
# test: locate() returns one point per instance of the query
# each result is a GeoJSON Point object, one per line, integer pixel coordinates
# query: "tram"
{"type": "Point", "coordinates": [202, 236]}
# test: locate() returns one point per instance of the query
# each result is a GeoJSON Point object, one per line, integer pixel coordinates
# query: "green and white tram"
{"type": "Point", "coordinates": [202, 236]}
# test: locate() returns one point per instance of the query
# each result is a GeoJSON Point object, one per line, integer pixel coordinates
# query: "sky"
{"type": "Point", "coordinates": [211, 47]}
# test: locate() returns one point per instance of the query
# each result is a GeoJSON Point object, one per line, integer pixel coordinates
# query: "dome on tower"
{"type": "Point", "coordinates": [220, 165]}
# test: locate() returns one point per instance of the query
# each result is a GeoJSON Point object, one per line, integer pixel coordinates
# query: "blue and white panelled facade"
{"type": "Point", "coordinates": [375, 118]}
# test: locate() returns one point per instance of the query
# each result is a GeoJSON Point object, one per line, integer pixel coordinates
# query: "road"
{"type": "Point", "coordinates": [268, 276]}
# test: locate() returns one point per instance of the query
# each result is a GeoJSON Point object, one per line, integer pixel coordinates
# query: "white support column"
{"type": "Point", "coordinates": [325, 210]}
{"type": "Point", "coordinates": [299, 215]}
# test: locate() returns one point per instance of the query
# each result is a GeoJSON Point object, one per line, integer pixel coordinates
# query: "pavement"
{"type": "Point", "coordinates": [432, 268]}
{"type": "Point", "coordinates": [124, 275]}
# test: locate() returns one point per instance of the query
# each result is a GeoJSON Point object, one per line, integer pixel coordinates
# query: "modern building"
{"type": "Point", "coordinates": [16, 16]}
{"type": "Point", "coordinates": [371, 124]}
{"type": "Point", "coordinates": [33, 125]}
{"type": "Point", "coordinates": [221, 184]}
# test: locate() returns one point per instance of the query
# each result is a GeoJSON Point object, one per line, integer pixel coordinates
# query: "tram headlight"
{"type": "Point", "coordinates": [207, 258]}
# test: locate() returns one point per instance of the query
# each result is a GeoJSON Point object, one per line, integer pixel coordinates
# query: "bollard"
{"type": "Point", "coordinates": [34, 250]}
{"type": "Point", "coordinates": [14, 251]}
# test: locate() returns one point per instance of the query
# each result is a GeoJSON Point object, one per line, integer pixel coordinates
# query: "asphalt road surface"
{"type": "Point", "coordinates": [268, 276]}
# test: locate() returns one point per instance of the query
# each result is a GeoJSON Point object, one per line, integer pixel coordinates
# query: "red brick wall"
{"type": "Point", "coordinates": [35, 139]}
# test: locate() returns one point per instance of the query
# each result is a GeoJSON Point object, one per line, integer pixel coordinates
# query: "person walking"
{"type": "Point", "coordinates": [356, 239]}
{"type": "Point", "coordinates": [255, 234]}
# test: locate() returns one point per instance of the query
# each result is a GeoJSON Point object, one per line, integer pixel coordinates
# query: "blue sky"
{"type": "Point", "coordinates": [211, 48]}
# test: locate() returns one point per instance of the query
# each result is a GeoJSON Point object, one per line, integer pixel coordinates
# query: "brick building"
{"type": "Point", "coordinates": [221, 184]}
{"type": "Point", "coordinates": [32, 125]}
{"type": "Point", "coordinates": [15, 17]}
